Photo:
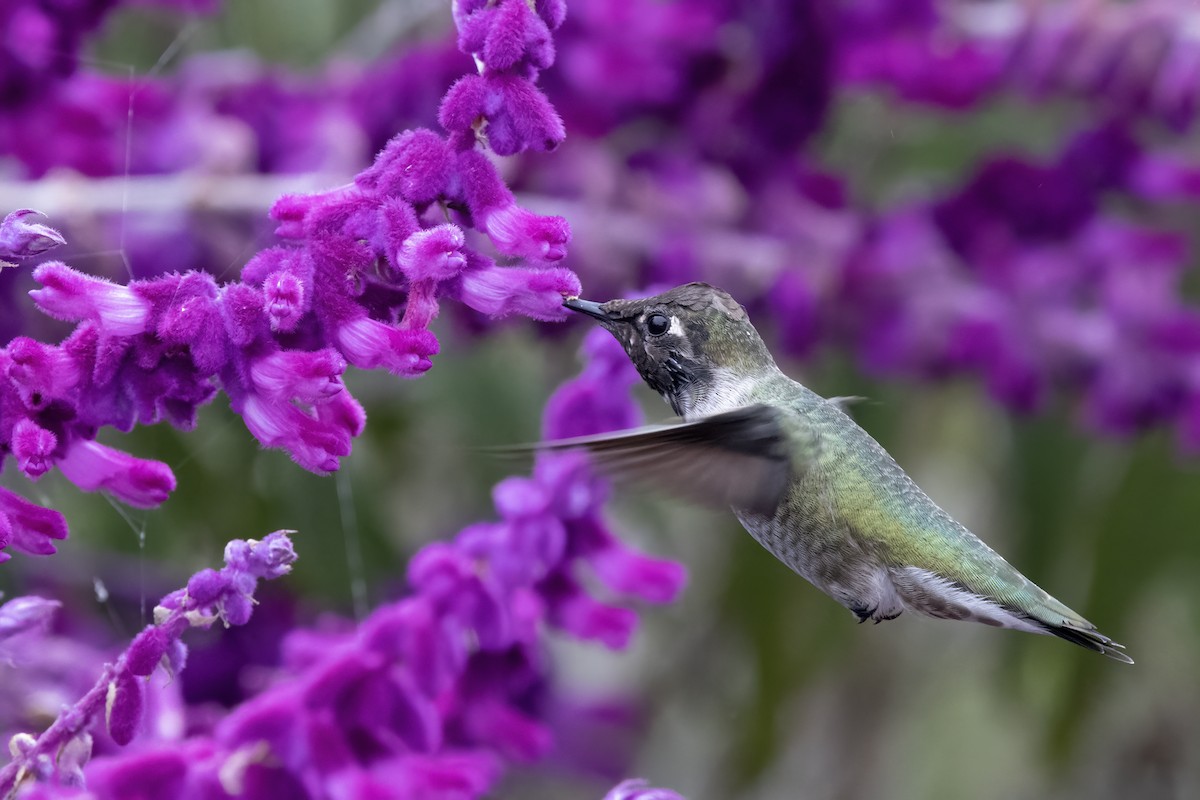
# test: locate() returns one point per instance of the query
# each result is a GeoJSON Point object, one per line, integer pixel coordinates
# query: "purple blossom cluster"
{"type": "Point", "coordinates": [1031, 288]}
{"type": "Point", "coordinates": [1128, 59]}
{"type": "Point", "coordinates": [357, 281]}
{"type": "Point", "coordinates": [227, 113]}
{"type": "Point", "coordinates": [698, 131]}
{"type": "Point", "coordinates": [58, 756]}
{"type": "Point", "coordinates": [41, 45]}
{"type": "Point", "coordinates": [42, 41]}
{"type": "Point", "coordinates": [47, 666]}
{"type": "Point", "coordinates": [430, 696]}
{"type": "Point", "coordinates": [224, 113]}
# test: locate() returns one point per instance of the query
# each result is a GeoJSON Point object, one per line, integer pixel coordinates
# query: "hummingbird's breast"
{"type": "Point", "coordinates": [811, 535]}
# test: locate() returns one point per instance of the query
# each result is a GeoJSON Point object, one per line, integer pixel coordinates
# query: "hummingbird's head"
{"type": "Point", "coordinates": [690, 344]}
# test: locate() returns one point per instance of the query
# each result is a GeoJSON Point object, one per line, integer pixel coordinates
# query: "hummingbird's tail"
{"type": "Point", "coordinates": [1086, 635]}
{"type": "Point", "coordinates": [1055, 617]}
{"type": "Point", "coordinates": [1020, 604]}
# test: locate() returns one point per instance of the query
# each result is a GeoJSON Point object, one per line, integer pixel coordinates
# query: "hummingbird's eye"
{"type": "Point", "coordinates": [657, 325]}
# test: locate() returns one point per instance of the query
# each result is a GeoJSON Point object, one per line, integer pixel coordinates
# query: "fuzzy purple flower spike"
{"type": "Point", "coordinates": [430, 696]}
{"type": "Point", "coordinates": [356, 281]}
{"type": "Point", "coordinates": [225, 595]}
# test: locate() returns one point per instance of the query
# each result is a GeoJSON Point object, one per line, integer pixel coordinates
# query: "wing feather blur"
{"type": "Point", "coordinates": [738, 458]}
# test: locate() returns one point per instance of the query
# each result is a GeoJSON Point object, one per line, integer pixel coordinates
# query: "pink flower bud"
{"type": "Point", "coordinates": [71, 295]}
{"type": "Point", "coordinates": [92, 466]}
{"type": "Point", "coordinates": [34, 448]}
{"type": "Point", "coordinates": [123, 708]}
{"type": "Point", "coordinates": [20, 238]}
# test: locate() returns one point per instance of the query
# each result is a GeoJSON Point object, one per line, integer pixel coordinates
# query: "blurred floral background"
{"type": "Point", "coordinates": [980, 216]}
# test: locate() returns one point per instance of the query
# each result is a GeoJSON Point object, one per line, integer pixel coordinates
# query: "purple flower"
{"type": "Point", "coordinates": [22, 239]}
{"type": "Point", "coordinates": [369, 344]}
{"type": "Point", "coordinates": [73, 296]}
{"type": "Point", "coordinates": [357, 281]}
{"type": "Point", "coordinates": [431, 255]}
{"type": "Point", "coordinates": [510, 41]}
{"type": "Point", "coordinates": [315, 438]}
{"type": "Point", "coordinates": [28, 527]}
{"type": "Point", "coordinates": [23, 615]}
{"type": "Point", "coordinates": [505, 34]}
{"type": "Point", "coordinates": [513, 230]}
{"type": "Point", "coordinates": [431, 694]}
{"type": "Point", "coordinates": [503, 291]}
{"type": "Point", "coordinates": [590, 406]}
{"type": "Point", "coordinates": [285, 300]}
{"type": "Point", "coordinates": [92, 466]}
{"type": "Point", "coordinates": [639, 789]}
{"type": "Point", "coordinates": [518, 115]}
{"type": "Point", "coordinates": [416, 166]}
{"type": "Point", "coordinates": [119, 696]}
{"type": "Point", "coordinates": [40, 374]}
{"type": "Point", "coordinates": [33, 446]}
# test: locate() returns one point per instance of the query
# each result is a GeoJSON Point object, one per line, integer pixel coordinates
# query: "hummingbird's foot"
{"type": "Point", "coordinates": [865, 613]}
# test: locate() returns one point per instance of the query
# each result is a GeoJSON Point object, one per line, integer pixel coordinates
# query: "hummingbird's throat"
{"type": "Point", "coordinates": [672, 378]}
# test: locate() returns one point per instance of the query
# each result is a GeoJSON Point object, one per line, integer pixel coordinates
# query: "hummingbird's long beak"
{"type": "Point", "coordinates": [587, 307]}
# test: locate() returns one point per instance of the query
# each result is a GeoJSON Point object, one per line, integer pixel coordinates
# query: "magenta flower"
{"type": "Point", "coordinates": [510, 42]}
{"type": "Point", "coordinates": [23, 615]}
{"type": "Point", "coordinates": [22, 239]}
{"type": "Point", "coordinates": [695, 169]}
{"type": "Point", "coordinates": [211, 596]}
{"type": "Point", "coordinates": [75, 297]}
{"type": "Point", "coordinates": [357, 280]}
{"type": "Point", "coordinates": [28, 527]}
{"type": "Point", "coordinates": [434, 692]}
{"type": "Point", "coordinates": [92, 466]}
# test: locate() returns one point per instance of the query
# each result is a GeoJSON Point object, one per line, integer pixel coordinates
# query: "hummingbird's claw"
{"type": "Point", "coordinates": [864, 613]}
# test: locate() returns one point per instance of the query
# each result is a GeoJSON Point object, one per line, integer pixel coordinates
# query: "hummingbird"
{"type": "Point", "coordinates": [804, 479]}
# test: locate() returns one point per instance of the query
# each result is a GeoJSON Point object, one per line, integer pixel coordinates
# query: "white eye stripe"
{"type": "Point", "coordinates": [676, 327]}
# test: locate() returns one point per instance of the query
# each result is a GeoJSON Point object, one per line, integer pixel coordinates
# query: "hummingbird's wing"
{"type": "Point", "coordinates": [737, 458]}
